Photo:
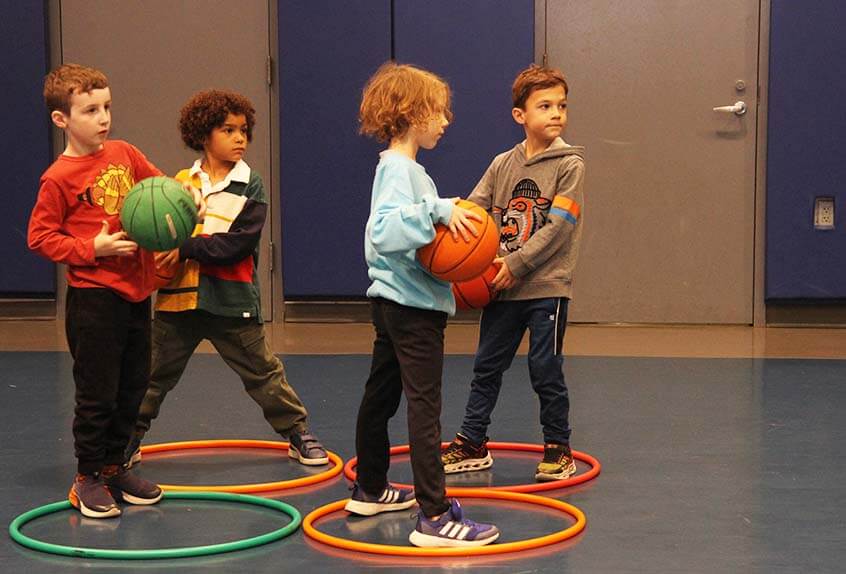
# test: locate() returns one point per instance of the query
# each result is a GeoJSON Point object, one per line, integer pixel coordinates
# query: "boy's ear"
{"type": "Point", "coordinates": [59, 119]}
{"type": "Point", "coordinates": [519, 115]}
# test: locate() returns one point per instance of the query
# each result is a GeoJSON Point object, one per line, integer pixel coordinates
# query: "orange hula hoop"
{"type": "Point", "coordinates": [336, 461]}
{"type": "Point", "coordinates": [517, 546]}
{"type": "Point", "coordinates": [595, 468]}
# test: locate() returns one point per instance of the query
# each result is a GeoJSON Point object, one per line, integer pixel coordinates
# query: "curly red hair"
{"type": "Point", "coordinates": [208, 110]}
{"type": "Point", "coordinates": [399, 96]}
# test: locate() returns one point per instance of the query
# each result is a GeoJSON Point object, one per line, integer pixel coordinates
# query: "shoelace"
{"type": "Point", "coordinates": [555, 456]}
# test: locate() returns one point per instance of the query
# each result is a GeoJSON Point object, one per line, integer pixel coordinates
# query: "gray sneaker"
{"type": "Point", "coordinates": [307, 449]}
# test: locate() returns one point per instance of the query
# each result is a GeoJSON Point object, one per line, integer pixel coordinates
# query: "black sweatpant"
{"type": "Point", "coordinates": [408, 355]}
{"type": "Point", "coordinates": [109, 339]}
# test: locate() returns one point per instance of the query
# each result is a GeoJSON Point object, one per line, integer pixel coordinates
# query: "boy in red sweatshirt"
{"type": "Point", "coordinates": [76, 221]}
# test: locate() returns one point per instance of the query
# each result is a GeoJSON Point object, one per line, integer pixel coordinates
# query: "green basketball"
{"type": "Point", "coordinates": [158, 214]}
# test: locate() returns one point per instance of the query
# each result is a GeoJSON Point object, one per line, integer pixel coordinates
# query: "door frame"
{"type": "Point", "coordinates": [759, 318]}
{"type": "Point", "coordinates": [277, 295]}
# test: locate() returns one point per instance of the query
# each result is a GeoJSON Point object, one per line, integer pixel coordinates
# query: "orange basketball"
{"type": "Point", "coordinates": [477, 292]}
{"type": "Point", "coordinates": [458, 260]}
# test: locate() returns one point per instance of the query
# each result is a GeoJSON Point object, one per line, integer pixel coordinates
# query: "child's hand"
{"type": "Point", "coordinates": [165, 259]}
{"type": "Point", "coordinates": [106, 244]}
{"type": "Point", "coordinates": [198, 199]}
{"type": "Point", "coordinates": [503, 279]}
{"type": "Point", "coordinates": [461, 222]}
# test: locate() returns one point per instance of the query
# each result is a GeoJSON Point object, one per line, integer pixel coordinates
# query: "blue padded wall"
{"type": "Point", "coordinates": [326, 53]}
{"type": "Point", "coordinates": [327, 168]}
{"type": "Point", "coordinates": [25, 147]}
{"type": "Point", "coordinates": [805, 143]}
{"type": "Point", "coordinates": [478, 46]}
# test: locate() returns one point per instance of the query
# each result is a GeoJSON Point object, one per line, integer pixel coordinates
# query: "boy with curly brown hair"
{"type": "Point", "coordinates": [214, 290]}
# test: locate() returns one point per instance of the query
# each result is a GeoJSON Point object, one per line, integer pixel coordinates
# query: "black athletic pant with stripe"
{"type": "Point", "coordinates": [408, 356]}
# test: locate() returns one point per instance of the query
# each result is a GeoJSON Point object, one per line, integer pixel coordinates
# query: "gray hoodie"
{"type": "Point", "coordinates": [536, 204]}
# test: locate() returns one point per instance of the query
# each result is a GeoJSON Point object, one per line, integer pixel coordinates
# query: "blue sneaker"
{"type": "Point", "coordinates": [390, 499]}
{"type": "Point", "coordinates": [452, 530]}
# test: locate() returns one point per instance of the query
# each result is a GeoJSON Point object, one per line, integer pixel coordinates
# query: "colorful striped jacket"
{"type": "Point", "coordinates": [217, 271]}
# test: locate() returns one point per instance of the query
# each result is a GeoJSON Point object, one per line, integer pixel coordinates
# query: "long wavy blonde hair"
{"type": "Point", "coordinates": [399, 96]}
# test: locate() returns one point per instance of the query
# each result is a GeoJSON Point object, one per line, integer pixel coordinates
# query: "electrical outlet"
{"type": "Point", "coordinates": [824, 213]}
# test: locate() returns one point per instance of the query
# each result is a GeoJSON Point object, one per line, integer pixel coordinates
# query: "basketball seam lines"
{"type": "Point", "coordinates": [466, 256]}
{"type": "Point", "coordinates": [153, 212]}
{"type": "Point", "coordinates": [176, 210]}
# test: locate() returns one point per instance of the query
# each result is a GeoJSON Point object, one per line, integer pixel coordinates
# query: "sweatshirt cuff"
{"type": "Point", "coordinates": [442, 211]}
{"type": "Point", "coordinates": [185, 251]}
{"type": "Point", "coordinates": [516, 265]}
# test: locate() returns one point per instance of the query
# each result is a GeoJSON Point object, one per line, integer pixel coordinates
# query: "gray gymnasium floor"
{"type": "Point", "coordinates": [709, 465]}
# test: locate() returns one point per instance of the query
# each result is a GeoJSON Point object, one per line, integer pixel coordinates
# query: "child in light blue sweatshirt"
{"type": "Point", "coordinates": [409, 108]}
{"type": "Point", "coordinates": [404, 207]}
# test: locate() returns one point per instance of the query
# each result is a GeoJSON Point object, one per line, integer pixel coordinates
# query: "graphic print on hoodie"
{"type": "Point", "coordinates": [525, 213]}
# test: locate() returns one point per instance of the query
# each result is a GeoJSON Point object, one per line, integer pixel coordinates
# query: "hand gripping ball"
{"type": "Point", "coordinates": [164, 273]}
{"type": "Point", "coordinates": [459, 260]}
{"type": "Point", "coordinates": [158, 214]}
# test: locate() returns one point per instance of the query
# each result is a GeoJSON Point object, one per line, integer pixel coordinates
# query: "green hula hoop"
{"type": "Point", "coordinates": [151, 554]}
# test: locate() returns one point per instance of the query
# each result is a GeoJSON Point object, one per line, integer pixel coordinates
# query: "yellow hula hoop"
{"type": "Point", "coordinates": [334, 470]}
{"type": "Point", "coordinates": [517, 546]}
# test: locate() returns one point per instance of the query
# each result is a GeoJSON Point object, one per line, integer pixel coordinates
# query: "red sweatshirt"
{"type": "Point", "coordinates": [77, 194]}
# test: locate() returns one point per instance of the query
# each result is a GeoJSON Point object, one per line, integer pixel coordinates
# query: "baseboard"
{"type": "Point", "coordinates": [801, 313]}
{"type": "Point", "coordinates": [29, 309]}
{"type": "Point", "coordinates": [348, 312]}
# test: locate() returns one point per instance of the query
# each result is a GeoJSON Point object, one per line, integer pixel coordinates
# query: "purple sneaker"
{"type": "Point", "coordinates": [89, 495]}
{"type": "Point", "coordinates": [452, 530]}
{"type": "Point", "coordinates": [130, 488]}
{"type": "Point", "coordinates": [390, 499]}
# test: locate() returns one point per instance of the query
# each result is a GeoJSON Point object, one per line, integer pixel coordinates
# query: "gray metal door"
{"type": "Point", "coordinates": [157, 53]}
{"type": "Point", "coordinates": [670, 186]}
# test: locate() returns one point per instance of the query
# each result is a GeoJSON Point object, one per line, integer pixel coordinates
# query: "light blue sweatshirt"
{"type": "Point", "coordinates": [404, 209]}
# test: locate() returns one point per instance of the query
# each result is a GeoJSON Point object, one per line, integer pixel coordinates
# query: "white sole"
{"type": "Point", "coordinates": [469, 465]}
{"type": "Point", "coordinates": [93, 514]}
{"type": "Point", "coordinates": [295, 454]}
{"type": "Point", "coordinates": [428, 541]}
{"type": "Point", "coordinates": [140, 501]}
{"type": "Point", "coordinates": [566, 473]}
{"type": "Point", "coordinates": [371, 508]}
{"type": "Point", "coordinates": [85, 511]}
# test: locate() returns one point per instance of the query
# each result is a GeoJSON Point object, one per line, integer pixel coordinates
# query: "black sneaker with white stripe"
{"type": "Point", "coordinates": [390, 499]}
{"type": "Point", "coordinates": [451, 530]}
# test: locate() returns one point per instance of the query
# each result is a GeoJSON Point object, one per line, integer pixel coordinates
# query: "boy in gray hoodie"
{"type": "Point", "coordinates": [534, 193]}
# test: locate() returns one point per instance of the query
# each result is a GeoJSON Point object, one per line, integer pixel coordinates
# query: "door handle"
{"type": "Point", "coordinates": [738, 109]}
